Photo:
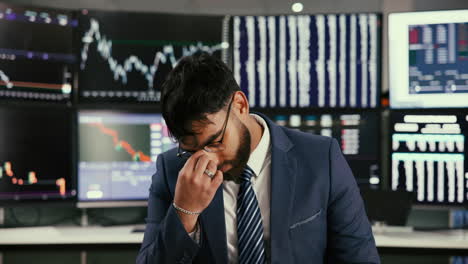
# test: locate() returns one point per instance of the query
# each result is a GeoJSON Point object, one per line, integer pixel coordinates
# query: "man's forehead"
{"type": "Point", "coordinates": [202, 129]}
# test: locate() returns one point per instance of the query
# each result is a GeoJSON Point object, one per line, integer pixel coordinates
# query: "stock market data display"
{"type": "Point", "coordinates": [36, 56]}
{"type": "Point", "coordinates": [308, 61]}
{"type": "Point", "coordinates": [125, 57]}
{"type": "Point", "coordinates": [117, 154]}
{"type": "Point", "coordinates": [428, 156]}
{"type": "Point", "coordinates": [357, 133]}
{"type": "Point", "coordinates": [438, 58]}
{"type": "Point", "coordinates": [435, 70]}
{"type": "Point", "coordinates": [36, 154]}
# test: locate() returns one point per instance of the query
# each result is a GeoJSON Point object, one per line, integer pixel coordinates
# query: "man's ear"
{"type": "Point", "coordinates": [241, 104]}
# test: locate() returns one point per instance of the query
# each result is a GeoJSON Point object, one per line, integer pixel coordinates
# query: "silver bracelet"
{"type": "Point", "coordinates": [185, 211]}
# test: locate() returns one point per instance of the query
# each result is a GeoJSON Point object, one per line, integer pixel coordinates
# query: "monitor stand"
{"type": "Point", "coordinates": [84, 218]}
{"type": "Point", "coordinates": [83, 223]}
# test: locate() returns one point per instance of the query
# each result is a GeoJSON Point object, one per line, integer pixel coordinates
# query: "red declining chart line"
{"type": "Point", "coordinates": [32, 178]}
{"type": "Point", "coordinates": [124, 144]}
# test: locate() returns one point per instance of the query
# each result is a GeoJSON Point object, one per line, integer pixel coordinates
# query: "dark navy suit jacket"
{"type": "Point", "coordinates": [317, 214]}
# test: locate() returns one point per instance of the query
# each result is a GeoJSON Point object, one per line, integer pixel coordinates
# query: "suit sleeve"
{"type": "Point", "coordinates": [165, 239]}
{"type": "Point", "coordinates": [350, 238]}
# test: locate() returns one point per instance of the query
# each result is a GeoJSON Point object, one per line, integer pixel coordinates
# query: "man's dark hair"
{"type": "Point", "coordinates": [199, 85]}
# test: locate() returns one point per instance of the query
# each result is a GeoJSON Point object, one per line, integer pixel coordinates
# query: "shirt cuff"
{"type": "Point", "coordinates": [195, 235]}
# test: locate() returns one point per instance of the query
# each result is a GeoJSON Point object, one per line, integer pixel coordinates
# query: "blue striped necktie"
{"type": "Point", "coordinates": [249, 223]}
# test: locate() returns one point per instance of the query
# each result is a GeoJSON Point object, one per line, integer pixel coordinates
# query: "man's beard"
{"type": "Point", "coordinates": [242, 156]}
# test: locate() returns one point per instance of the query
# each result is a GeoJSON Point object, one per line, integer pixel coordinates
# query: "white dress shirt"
{"type": "Point", "coordinates": [260, 162]}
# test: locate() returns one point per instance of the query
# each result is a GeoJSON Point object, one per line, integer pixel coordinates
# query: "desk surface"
{"type": "Point", "coordinates": [455, 239]}
{"type": "Point", "coordinates": [69, 235]}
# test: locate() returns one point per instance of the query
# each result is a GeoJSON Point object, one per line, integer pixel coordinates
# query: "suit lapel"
{"type": "Point", "coordinates": [214, 227]}
{"type": "Point", "coordinates": [283, 182]}
{"type": "Point", "coordinates": [283, 179]}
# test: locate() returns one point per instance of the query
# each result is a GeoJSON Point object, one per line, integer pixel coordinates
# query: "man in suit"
{"type": "Point", "coordinates": [241, 189]}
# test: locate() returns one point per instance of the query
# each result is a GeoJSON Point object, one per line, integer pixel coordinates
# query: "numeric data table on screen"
{"type": "Point", "coordinates": [308, 61]}
{"type": "Point", "coordinates": [355, 131]}
{"type": "Point", "coordinates": [428, 155]}
{"type": "Point", "coordinates": [428, 59]}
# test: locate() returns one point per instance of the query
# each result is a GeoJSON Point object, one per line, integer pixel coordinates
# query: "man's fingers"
{"type": "Point", "coordinates": [191, 163]}
{"type": "Point", "coordinates": [212, 168]}
{"type": "Point", "coordinates": [217, 179]}
{"type": "Point", "coordinates": [202, 163]}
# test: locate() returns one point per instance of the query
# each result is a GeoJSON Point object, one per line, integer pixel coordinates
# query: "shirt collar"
{"type": "Point", "coordinates": [262, 151]}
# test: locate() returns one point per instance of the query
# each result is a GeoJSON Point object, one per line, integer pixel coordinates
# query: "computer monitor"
{"type": "Point", "coordinates": [36, 154]}
{"type": "Point", "coordinates": [301, 61]}
{"type": "Point", "coordinates": [428, 54]}
{"type": "Point", "coordinates": [428, 155]}
{"type": "Point", "coordinates": [387, 207]}
{"type": "Point", "coordinates": [125, 57]}
{"type": "Point", "coordinates": [357, 132]}
{"type": "Point", "coordinates": [36, 56]}
{"type": "Point", "coordinates": [117, 156]}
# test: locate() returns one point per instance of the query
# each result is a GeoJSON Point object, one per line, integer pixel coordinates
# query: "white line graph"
{"type": "Point", "coordinates": [6, 80]}
{"type": "Point", "coordinates": [133, 62]}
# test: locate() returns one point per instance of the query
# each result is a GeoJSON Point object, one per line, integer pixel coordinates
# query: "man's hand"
{"type": "Point", "coordinates": [195, 190]}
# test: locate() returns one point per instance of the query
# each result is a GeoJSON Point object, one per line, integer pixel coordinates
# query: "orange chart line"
{"type": "Point", "coordinates": [32, 178]}
{"type": "Point", "coordinates": [35, 85]}
{"type": "Point", "coordinates": [115, 138]}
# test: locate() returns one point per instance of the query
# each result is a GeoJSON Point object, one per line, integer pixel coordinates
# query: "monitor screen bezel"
{"type": "Point", "coordinates": [37, 106]}
{"type": "Point", "coordinates": [64, 102]}
{"type": "Point", "coordinates": [398, 50]}
{"type": "Point", "coordinates": [312, 111]}
{"type": "Point", "coordinates": [380, 31]}
{"type": "Point", "coordinates": [433, 111]}
{"type": "Point", "coordinates": [112, 109]}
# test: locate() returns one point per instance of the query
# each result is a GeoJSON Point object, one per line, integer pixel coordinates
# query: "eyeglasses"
{"type": "Point", "coordinates": [212, 147]}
